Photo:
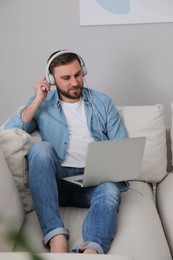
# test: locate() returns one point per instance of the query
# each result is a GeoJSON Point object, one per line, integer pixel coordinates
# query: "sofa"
{"type": "Point", "coordinates": [145, 222]}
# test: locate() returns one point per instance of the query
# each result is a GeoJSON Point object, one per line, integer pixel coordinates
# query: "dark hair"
{"type": "Point", "coordinates": [64, 58]}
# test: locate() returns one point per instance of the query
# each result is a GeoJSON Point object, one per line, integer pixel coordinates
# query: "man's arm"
{"type": "Point", "coordinates": [23, 119]}
{"type": "Point", "coordinates": [41, 90]}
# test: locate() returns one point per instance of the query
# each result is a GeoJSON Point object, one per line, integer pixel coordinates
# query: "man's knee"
{"type": "Point", "coordinates": [41, 150]}
{"type": "Point", "coordinates": [109, 192]}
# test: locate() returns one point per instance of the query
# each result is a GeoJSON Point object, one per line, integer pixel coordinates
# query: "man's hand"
{"type": "Point", "coordinates": [41, 89]}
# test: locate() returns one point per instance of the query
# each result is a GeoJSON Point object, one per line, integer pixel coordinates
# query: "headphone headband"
{"type": "Point", "coordinates": [50, 78]}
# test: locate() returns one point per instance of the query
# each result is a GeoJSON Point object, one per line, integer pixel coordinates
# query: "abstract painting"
{"type": "Point", "coordinates": [107, 12]}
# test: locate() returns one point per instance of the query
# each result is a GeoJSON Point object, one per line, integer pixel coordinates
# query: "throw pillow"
{"type": "Point", "coordinates": [15, 144]}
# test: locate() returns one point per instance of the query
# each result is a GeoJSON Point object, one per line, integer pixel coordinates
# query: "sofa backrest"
{"type": "Point", "coordinates": [148, 121]}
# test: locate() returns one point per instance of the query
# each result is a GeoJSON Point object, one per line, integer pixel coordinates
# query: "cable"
{"type": "Point", "coordinates": [139, 192]}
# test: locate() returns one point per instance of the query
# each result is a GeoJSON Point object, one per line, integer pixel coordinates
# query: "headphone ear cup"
{"type": "Point", "coordinates": [51, 79]}
{"type": "Point", "coordinates": [84, 71]}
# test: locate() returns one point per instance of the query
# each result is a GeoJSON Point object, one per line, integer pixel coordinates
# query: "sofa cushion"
{"type": "Point", "coordinates": [15, 144]}
{"type": "Point", "coordinates": [139, 233]}
{"type": "Point", "coordinates": [148, 121]}
{"type": "Point", "coordinates": [11, 209]}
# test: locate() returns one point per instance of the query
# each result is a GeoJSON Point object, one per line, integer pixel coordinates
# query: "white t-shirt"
{"type": "Point", "coordinates": [79, 135]}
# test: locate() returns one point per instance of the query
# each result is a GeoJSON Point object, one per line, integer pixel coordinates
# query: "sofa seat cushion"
{"type": "Point", "coordinates": [11, 209]}
{"type": "Point", "coordinates": [165, 207]}
{"type": "Point", "coordinates": [148, 121]}
{"type": "Point", "coordinates": [140, 233]}
{"type": "Point", "coordinates": [140, 230]}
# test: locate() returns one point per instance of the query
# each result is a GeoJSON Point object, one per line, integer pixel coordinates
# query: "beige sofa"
{"type": "Point", "coordinates": [145, 224]}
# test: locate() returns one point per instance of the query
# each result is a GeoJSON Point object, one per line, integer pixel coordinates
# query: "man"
{"type": "Point", "coordinates": [68, 119]}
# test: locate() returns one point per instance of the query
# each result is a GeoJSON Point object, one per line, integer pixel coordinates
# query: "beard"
{"type": "Point", "coordinates": [72, 93]}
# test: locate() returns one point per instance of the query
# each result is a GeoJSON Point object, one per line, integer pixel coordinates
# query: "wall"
{"type": "Point", "coordinates": [132, 63]}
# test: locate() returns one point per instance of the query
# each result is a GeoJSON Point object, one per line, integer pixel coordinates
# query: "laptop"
{"type": "Point", "coordinates": [112, 160]}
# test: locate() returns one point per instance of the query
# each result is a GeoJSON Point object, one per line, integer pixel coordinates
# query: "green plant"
{"type": "Point", "coordinates": [23, 242]}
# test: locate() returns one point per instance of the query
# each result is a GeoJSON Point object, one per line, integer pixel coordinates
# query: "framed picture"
{"type": "Point", "coordinates": [107, 12]}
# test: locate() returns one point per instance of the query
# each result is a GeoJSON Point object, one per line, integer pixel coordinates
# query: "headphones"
{"type": "Point", "coordinates": [50, 78]}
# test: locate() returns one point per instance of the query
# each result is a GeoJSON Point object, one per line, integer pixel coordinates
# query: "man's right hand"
{"type": "Point", "coordinates": [41, 89]}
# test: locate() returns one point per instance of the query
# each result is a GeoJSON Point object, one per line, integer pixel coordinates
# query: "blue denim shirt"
{"type": "Point", "coordinates": [103, 120]}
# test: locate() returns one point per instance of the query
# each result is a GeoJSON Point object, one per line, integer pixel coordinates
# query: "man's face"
{"type": "Point", "coordinates": [69, 81]}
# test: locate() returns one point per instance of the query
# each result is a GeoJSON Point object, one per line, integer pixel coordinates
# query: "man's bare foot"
{"type": "Point", "coordinates": [58, 244]}
{"type": "Point", "coordinates": [89, 251]}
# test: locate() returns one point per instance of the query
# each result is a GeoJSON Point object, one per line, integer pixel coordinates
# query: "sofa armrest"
{"type": "Point", "coordinates": [11, 208]}
{"type": "Point", "coordinates": [165, 207]}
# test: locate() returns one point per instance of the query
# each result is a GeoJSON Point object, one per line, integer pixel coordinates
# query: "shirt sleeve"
{"type": "Point", "coordinates": [115, 126]}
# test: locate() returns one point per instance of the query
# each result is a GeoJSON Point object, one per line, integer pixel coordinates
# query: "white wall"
{"type": "Point", "coordinates": [132, 63]}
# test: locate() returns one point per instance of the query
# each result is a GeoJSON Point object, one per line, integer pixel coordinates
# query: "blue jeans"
{"type": "Point", "coordinates": [49, 192]}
